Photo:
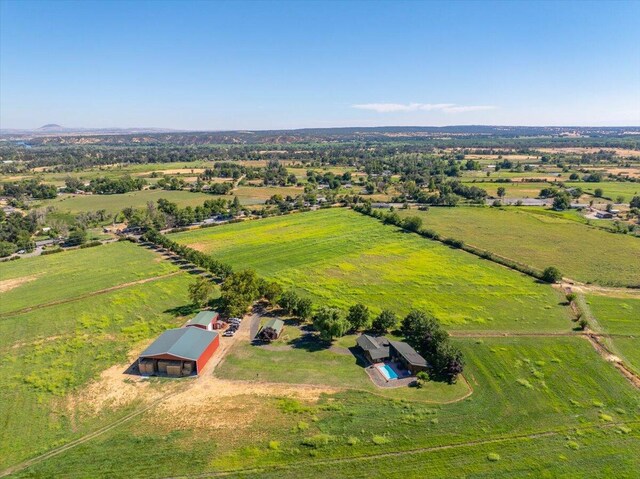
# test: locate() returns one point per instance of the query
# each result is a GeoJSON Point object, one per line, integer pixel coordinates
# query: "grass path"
{"type": "Point", "coordinates": [87, 295]}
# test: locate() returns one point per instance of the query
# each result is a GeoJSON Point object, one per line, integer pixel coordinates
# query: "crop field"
{"type": "Point", "coordinates": [115, 203]}
{"type": "Point", "coordinates": [610, 189]}
{"type": "Point", "coordinates": [554, 395]}
{"type": "Point", "coordinates": [49, 353]}
{"type": "Point", "coordinates": [541, 238]}
{"type": "Point", "coordinates": [340, 257]}
{"type": "Point", "coordinates": [257, 195]}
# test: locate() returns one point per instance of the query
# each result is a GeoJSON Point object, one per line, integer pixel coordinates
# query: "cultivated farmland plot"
{"type": "Point", "coordinates": [339, 257]}
{"type": "Point", "coordinates": [540, 238]}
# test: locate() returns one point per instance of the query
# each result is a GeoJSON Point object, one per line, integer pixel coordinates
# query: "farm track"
{"type": "Point", "coordinates": [409, 452]}
{"type": "Point", "coordinates": [87, 295]}
{"type": "Point", "coordinates": [81, 440]}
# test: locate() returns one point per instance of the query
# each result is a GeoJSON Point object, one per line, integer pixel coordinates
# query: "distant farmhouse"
{"type": "Point", "coordinates": [380, 350]}
{"type": "Point", "coordinates": [179, 352]}
{"type": "Point", "coordinates": [271, 330]}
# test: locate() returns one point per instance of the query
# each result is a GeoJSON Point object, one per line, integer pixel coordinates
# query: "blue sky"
{"type": "Point", "coordinates": [262, 65]}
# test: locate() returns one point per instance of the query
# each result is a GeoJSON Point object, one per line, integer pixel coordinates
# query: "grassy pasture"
{"type": "Point", "coordinates": [257, 195]}
{"type": "Point", "coordinates": [540, 238]}
{"type": "Point", "coordinates": [610, 189]}
{"type": "Point", "coordinates": [523, 387]}
{"type": "Point", "coordinates": [513, 189]}
{"type": "Point", "coordinates": [339, 257]}
{"type": "Point", "coordinates": [619, 316]}
{"type": "Point", "coordinates": [49, 354]}
{"type": "Point", "coordinates": [44, 279]}
{"type": "Point", "coordinates": [75, 204]}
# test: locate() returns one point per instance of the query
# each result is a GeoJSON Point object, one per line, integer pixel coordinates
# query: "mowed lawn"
{"type": "Point", "coordinates": [540, 238]}
{"type": "Point", "coordinates": [30, 282]}
{"type": "Point", "coordinates": [546, 406]}
{"type": "Point", "coordinates": [74, 204]}
{"type": "Point", "coordinates": [513, 189]}
{"type": "Point", "coordinates": [48, 356]}
{"type": "Point", "coordinates": [339, 257]}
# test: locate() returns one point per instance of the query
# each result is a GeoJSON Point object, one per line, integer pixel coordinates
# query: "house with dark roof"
{"type": "Point", "coordinates": [271, 330]}
{"type": "Point", "coordinates": [407, 356]}
{"type": "Point", "coordinates": [379, 349]}
{"type": "Point", "coordinates": [179, 352]}
{"type": "Point", "coordinates": [375, 349]}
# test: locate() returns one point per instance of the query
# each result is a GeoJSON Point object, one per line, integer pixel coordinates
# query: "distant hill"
{"type": "Point", "coordinates": [50, 126]}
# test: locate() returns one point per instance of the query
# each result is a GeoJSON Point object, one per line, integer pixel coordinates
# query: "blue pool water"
{"type": "Point", "coordinates": [388, 372]}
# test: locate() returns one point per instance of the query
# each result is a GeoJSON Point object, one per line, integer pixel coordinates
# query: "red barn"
{"type": "Point", "coordinates": [179, 352]}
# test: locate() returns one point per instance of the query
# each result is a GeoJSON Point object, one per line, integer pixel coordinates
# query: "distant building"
{"type": "Point", "coordinates": [604, 214]}
{"type": "Point", "coordinates": [204, 320]}
{"type": "Point", "coordinates": [271, 330]}
{"type": "Point", "coordinates": [179, 352]}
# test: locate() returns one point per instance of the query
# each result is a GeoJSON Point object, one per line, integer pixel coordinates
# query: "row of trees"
{"type": "Point", "coordinates": [28, 189]}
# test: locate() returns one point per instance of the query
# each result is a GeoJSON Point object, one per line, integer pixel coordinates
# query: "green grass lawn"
{"type": "Point", "coordinates": [257, 195]}
{"type": "Point", "coordinates": [340, 257]}
{"type": "Point", "coordinates": [322, 367]}
{"type": "Point", "coordinates": [559, 387]}
{"type": "Point", "coordinates": [541, 238]}
{"type": "Point", "coordinates": [611, 189]}
{"type": "Point", "coordinates": [68, 203]}
{"type": "Point", "coordinates": [49, 354]}
{"type": "Point", "coordinates": [56, 277]}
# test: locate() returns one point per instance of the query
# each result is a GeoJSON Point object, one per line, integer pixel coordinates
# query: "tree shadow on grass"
{"type": "Point", "coordinates": [184, 310]}
{"type": "Point", "coordinates": [310, 342]}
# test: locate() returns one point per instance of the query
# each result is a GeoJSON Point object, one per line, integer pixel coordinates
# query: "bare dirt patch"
{"type": "Point", "coordinates": [200, 405]}
{"type": "Point", "coordinates": [9, 284]}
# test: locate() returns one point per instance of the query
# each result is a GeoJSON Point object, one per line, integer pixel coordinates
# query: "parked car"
{"type": "Point", "coordinates": [229, 332]}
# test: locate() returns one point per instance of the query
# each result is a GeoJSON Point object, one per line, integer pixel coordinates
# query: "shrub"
{"type": "Point", "coordinates": [493, 457]}
{"type": "Point", "coordinates": [551, 274]}
{"type": "Point", "coordinates": [274, 445]}
{"type": "Point", "coordinates": [380, 440]}
{"type": "Point", "coordinates": [453, 242]}
{"type": "Point", "coordinates": [318, 440]}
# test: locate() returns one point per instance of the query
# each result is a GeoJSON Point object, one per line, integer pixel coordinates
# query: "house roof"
{"type": "Point", "coordinates": [367, 342]}
{"type": "Point", "coordinates": [275, 324]}
{"type": "Point", "coordinates": [203, 318]}
{"type": "Point", "coordinates": [408, 353]}
{"type": "Point", "coordinates": [185, 343]}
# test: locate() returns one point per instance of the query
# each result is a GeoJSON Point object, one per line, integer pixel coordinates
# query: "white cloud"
{"type": "Point", "coordinates": [404, 107]}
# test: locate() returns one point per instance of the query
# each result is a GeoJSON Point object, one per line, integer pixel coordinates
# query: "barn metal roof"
{"type": "Point", "coordinates": [275, 324]}
{"type": "Point", "coordinates": [203, 318]}
{"type": "Point", "coordinates": [185, 343]}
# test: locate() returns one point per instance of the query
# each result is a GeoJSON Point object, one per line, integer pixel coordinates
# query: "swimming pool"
{"type": "Point", "coordinates": [388, 372]}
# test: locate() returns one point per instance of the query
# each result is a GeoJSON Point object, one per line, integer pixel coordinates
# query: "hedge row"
{"type": "Point", "coordinates": [215, 267]}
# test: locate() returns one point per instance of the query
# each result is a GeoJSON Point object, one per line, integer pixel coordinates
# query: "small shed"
{"type": "Point", "coordinates": [271, 330]}
{"type": "Point", "coordinates": [179, 352]}
{"type": "Point", "coordinates": [205, 320]}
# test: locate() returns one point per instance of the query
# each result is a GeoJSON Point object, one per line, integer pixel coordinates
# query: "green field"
{"type": "Point", "coordinates": [541, 238]}
{"type": "Point", "coordinates": [611, 189]}
{"type": "Point", "coordinates": [75, 204]}
{"type": "Point", "coordinates": [512, 190]}
{"type": "Point", "coordinates": [619, 316]}
{"type": "Point", "coordinates": [340, 257]}
{"type": "Point", "coordinates": [50, 353]}
{"type": "Point", "coordinates": [545, 406]}
{"type": "Point", "coordinates": [44, 279]}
